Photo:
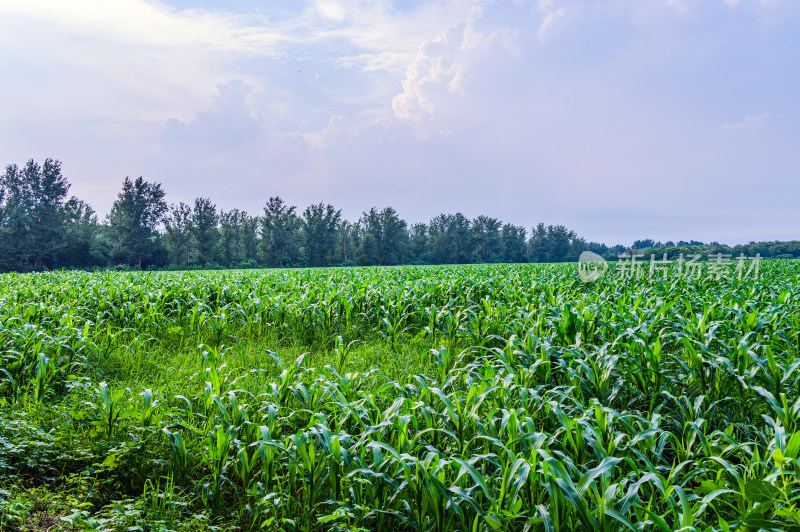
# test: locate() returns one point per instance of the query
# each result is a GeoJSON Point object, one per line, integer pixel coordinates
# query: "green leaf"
{"type": "Point", "coordinates": [761, 491]}
{"type": "Point", "coordinates": [494, 522]}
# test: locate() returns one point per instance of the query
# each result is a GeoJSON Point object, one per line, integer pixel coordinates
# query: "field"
{"type": "Point", "coordinates": [504, 397]}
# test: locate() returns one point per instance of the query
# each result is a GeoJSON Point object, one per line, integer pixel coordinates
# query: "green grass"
{"type": "Point", "coordinates": [502, 397]}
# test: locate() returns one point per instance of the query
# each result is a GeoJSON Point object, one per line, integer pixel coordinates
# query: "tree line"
{"type": "Point", "coordinates": [42, 228]}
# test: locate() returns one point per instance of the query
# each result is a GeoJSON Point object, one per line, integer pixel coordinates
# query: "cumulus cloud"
{"type": "Point", "coordinates": [169, 59]}
{"type": "Point", "coordinates": [433, 73]}
{"type": "Point", "coordinates": [437, 73]}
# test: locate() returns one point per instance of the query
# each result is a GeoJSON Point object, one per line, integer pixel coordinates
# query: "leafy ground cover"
{"type": "Point", "coordinates": [507, 397]}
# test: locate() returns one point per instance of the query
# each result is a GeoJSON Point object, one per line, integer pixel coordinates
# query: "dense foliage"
{"type": "Point", "coordinates": [41, 229]}
{"type": "Point", "coordinates": [450, 398]}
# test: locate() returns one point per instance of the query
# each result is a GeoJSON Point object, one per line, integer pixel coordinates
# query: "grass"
{"type": "Point", "coordinates": [500, 397]}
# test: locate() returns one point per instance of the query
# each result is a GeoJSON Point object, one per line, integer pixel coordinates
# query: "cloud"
{"type": "Point", "coordinates": [332, 10]}
{"type": "Point", "coordinates": [228, 123]}
{"type": "Point", "coordinates": [748, 123]}
{"type": "Point", "coordinates": [678, 5]}
{"type": "Point", "coordinates": [438, 71]}
{"type": "Point", "coordinates": [128, 59]}
{"type": "Point", "coordinates": [527, 110]}
{"type": "Point", "coordinates": [155, 25]}
{"type": "Point", "coordinates": [554, 21]}
{"type": "Point", "coordinates": [430, 77]}
{"type": "Point", "coordinates": [164, 55]}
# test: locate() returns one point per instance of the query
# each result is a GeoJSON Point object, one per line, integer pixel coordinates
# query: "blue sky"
{"type": "Point", "coordinates": [674, 119]}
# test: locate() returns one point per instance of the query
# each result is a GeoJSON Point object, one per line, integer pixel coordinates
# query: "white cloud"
{"type": "Point", "coordinates": [554, 21]}
{"type": "Point", "coordinates": [434, 68]}
{"type": "Point", "coordinates": [228, 123]}
{"type": "Point", "coordinates": [440, 66]}
{"type": "Point", "coordinates": [152, 25]}
{"type": "Point", "coordinates": [748, 123]}
{"type": "Point", "coordinates": [678, 5]}
{"type": "Point", "coordinates": [332, 10]}
{"type": "Point", "coordinates": [137, 59]}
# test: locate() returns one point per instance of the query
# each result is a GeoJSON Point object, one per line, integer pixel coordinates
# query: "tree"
{"type": "Point", "coordinates": [203, 228]}
{"type": "Point", "coordinates": [418, 244]}
{"type": "Point", "coordinates": [16, 218]}
{"type": "Point", "coordinates": [178, 238]}
{"type": "Point", "coordinates": [367, 235]}
{"type": "Point", "coordinates": [537, 244]}
{"type": "Point", "coordinates": [597, 247]}
{"type": "Point", "coordinates": [486, 239]}
{"type": "Point", "coordinates": [439, 242]}
{"type": "Point", "coordinates": [554, 243]}
{"type": "Point", "coordinates": [512, 242]}
{"type": "Point", "coordinates": [577, 246]}
{"type": "Point", "coordinates": [320, 226]}
{"type": "Point", "coordinates": [136, 213]}
{"type": "Point", "coordinates": [230, 236]}
{"type": "Point", "coordinates": [345, 240]}
{"type": "Point", "coordinates": [381, 238]}
{"type": "Point", "coordinates": [248, 236]}
{"type": "Point", "coordinates": [81, 232]}
{"type": "Point", "coordinates": [646, 243]}
{"type": "Point", "coordinates": [559, 240]}
{"type": "Point", "coordinates": [34, 214]}
{"type": "Point", "coordinates": [460, 233]}
{"type": "Point", "coordinates": [394, 244]}
{"type": "Point", "coordinates": [280, 234]}
{"type": "Point", "coordinates": [2, 201]}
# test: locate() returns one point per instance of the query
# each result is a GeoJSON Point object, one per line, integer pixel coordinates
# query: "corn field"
{"type": "Point", "coordinates": [503, 397]}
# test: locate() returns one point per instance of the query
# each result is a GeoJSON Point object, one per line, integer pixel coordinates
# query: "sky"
{"type": "Point", "coordinates": [621, 119]}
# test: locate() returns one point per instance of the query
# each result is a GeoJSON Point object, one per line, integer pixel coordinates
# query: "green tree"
{"type": "Point", "coordinates": [451, 239]}
{"type": "Point", "coordinates": [248, 237]}
{"type": "Point", "coordinates": [418, 244]}
{"type": "Point", "coordinates": [381, 238]}
{"type": "Point", "coordinates": [394, 245]}
{"type": "Point", "coordinates": [34, 214]}
{"type": "Point", "coordinates": [345, 242]}
{"type": "Point", "coordinates": [512, 242]}
{"type": "Point", "coordinates": [204, 231]}
{"type": "Point", "coordinates": [134, 216]}
{"type": "Point", "coordinates": [320, 226]}
{"type": "Point", "coordinates": [486, 239]}
{"type": "Point", "coordinates": [366, 237]}
{"type": "Point", "coordinates": [537, 244]}
{"type": "Point", "coordinates": [177, 237]}
{"type": "Point", "coordinates": [280, 234]}
{"type": "Point", "coordinates": [553, 243]}
{"type": "Point", "coordinates": [440, 244]}
{"type": "Point", "coordinates": [577, 245]}
{"type": "Point", "coordinates": [81, 234]}
{"type": "Point", "coordinates": [230, 228]}
{"type": "Point", "coordinates": [559, 240]}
